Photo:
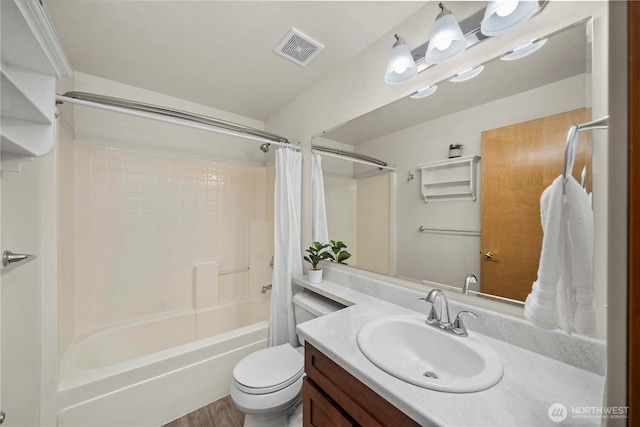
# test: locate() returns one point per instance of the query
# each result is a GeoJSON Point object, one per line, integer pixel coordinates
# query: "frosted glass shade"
{"type": "Point", "coordinates": [503, 16]}
{"type": "Point", "coordinates": [401, 66]}
{"type": "Point", "coordinates": [424, 92]}
{"type": "Point", "coordinates": [524, 50]}
{"type": "Point", "coordinates": [467, 74]}
{"type": "Point", "coordinates": [447, 40]}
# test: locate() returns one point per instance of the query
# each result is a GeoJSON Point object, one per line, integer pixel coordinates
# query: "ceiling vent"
{"type": "Point", "coordinates": [298, 48]}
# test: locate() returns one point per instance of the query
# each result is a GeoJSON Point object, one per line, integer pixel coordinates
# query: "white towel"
{"type": "Point", "coordinates": [541, 305]}
{"type": "Point", "coordinates": [563, 294]}
{"type": "Point", "coordinates": [580, 231]}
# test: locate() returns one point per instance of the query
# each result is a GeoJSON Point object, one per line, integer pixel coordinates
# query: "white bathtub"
{"type": "Point", "coordinates": [150, 372]}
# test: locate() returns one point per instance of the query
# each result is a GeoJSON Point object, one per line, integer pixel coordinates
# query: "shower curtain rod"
{"type": "Point", "coordinates": [352, 157]}
{"type": "Point", "coordinates": [169, 115]}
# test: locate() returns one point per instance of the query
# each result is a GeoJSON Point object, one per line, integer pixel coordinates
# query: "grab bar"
{"type": "Point", "coordinates": [237, 270]}
{"type": "Point", "coordinates": [423, 229]}
{"type": "Point", "coordinates": [265, 289]}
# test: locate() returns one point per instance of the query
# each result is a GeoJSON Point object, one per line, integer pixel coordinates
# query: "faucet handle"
{"type": "Point", "coordinates": [458, 325]}
{"type": "Point", "coordinates": [433, 314]}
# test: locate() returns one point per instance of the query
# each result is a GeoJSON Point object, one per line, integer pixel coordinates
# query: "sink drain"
{"type": "Point", "coordinates": [430, 374]}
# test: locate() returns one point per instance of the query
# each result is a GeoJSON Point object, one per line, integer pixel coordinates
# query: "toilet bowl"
{"type": "Point", "coordinates": [267, 384]}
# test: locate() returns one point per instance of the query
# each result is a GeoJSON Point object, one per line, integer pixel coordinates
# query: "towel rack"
{"type": "Point", "coordinates": [572, 141]}
{"type": "Point", "coordinates": [237, 270]}
{"type": "Point", "coordinates": [423, 229]}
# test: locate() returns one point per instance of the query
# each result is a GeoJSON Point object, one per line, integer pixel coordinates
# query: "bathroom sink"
{"type": "Point", "coordinates": [409, 349]}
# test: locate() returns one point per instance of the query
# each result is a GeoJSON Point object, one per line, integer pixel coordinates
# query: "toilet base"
{"type": "Point", "coordinates": [292, 418]}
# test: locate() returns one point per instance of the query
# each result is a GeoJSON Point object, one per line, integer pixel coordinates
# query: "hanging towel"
{"type": "Point", "coordinates": [563, 294]}
{"type": "Point", "coordinates": [580, 232]}
{"type": "Point", "coordinates": [541, 305]}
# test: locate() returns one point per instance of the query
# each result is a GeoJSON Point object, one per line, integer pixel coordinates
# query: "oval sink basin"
{"type": "Point", "coordinates": [409, 349]}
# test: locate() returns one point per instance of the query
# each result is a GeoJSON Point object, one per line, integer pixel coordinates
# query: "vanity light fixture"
{"type": "Point", "coordinates": [447, 40]}
{"type": "Point", "coordinates": [524, 50]}
{"type": "Point", "coordinates": [467, 74]}
{"type": "Point", "coordinates": [500, 17]}
{"type": "Point", "coordinates": [450, 38]}
{"type": "Point", "coordinates": [424, 92]}
{"type": "Point", "coordinates": [401, 66]}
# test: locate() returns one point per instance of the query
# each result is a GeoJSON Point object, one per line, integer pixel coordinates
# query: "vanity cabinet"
{"type": "Point", "coordinates": [333, 397]}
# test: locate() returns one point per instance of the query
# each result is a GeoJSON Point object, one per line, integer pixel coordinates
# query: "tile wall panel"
{"type": "Point", "coordinates": [143, 220]}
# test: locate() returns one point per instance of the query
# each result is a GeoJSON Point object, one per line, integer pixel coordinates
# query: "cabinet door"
{"type": "Point", "coordinates": [320, 410]}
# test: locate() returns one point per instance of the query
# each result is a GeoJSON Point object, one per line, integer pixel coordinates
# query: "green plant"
{"type": "Point", "coordinates": [317, 253]}
{"type": "Point", "coordinates": [340, 254]}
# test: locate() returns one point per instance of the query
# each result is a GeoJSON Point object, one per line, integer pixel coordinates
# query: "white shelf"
{"type": "Point", "coordinates": [32, 59]}
{"type": "Point", "coordinates": [450, 179]}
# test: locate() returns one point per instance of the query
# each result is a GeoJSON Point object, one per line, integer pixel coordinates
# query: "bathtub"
{"type": "Point", "coordinates": [149, 372]}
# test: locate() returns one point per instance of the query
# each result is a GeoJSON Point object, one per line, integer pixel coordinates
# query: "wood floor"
{"type": "Point", "coordinates": [221, 413]}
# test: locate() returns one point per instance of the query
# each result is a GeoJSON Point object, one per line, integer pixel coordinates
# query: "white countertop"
{"type": "Point", "coordinates": [530, 385]}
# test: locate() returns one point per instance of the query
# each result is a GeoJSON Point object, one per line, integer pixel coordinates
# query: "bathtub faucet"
{"type": "Point", "coordinates": [265, 289]}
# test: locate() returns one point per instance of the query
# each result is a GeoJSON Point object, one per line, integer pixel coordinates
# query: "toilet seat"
{"type": "Point", "coordinates": [269, 370]}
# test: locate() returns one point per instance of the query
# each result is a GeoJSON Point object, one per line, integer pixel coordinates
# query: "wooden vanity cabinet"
{"type": "Point", "coordinates": [333, 397]}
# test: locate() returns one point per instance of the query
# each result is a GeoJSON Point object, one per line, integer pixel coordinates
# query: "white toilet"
{"type": "Point", "coordinates": [267, 384]}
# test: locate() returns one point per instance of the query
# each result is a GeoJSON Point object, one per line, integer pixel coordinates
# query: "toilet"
{"type": "Point", "coordinates": [267, 384]}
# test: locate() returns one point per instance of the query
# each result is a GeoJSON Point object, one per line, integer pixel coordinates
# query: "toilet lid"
{"type": "Point", "coordinates": [269, 370]}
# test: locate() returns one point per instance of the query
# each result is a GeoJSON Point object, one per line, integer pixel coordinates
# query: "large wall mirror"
{"type": "Point", "coordinates": [514, 116]}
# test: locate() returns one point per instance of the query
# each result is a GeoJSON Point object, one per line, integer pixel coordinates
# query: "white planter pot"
{"type": "Point", "coordinates": [315, 276]}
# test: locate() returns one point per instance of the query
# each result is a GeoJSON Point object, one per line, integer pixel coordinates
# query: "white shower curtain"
{"type": "Point", "coordinates": [320, 232]}
{"type": "Point", "coordinates": [287, 255]}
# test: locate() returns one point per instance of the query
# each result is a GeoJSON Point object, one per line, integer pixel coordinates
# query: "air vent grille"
{"type": "Point", "coordinates": [298, 48]}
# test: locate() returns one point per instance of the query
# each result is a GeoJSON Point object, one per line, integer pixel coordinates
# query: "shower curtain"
{"type": "Point", "coordinates": [287, 255]}
{"type": "Point", "coordinates": [320, 232]}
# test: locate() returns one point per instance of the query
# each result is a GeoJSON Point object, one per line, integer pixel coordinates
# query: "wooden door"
{"type": "Point", "coordinates": [518, 163]}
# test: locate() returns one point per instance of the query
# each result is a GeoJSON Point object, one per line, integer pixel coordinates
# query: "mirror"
{"type": "Point", "coordinates": [379, 215]}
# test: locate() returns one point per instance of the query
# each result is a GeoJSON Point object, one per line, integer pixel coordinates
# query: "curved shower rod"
{"type": "Point", "coordinates": [358, 158]}
{"type": "Point", "coordinates": [170, 115]}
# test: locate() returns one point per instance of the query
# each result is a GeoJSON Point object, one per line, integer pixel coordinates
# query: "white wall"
{"type": "Point", "coordinates": [28, 292]}
{"type": "Point", "coordinates": [341, 201]}
{"type": "Point", "coordinates": [374, 223]}
{"type": "Point", "coordinates": [66, 245]}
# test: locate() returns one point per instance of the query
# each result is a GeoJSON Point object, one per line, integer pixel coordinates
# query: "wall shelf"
{"type": "Point", "coordinates": [450, 179]}
{"type": "Point", "coordinates": [32, 59]}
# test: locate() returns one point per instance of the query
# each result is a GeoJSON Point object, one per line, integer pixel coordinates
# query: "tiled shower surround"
{"type": "Point", "coordinates": [144, 220]}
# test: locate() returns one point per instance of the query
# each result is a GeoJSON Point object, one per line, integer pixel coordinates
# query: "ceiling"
{"type": "Point", "coordinates": [563, 56]}
{"type": "Point", "coordinates": [218, 53]}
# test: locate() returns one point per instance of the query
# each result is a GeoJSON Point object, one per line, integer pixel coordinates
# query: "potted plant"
{"type": "Point", "coordinates": [317, 253]}
{"type": "Point", "coordinates": [340, 254]}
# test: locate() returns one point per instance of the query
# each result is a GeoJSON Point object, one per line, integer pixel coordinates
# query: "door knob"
{"type": "Point", "coordinates": [488, 255]}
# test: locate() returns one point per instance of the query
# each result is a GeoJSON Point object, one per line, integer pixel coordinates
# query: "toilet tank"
{"type": "Point", "coordinates": [309, 305]}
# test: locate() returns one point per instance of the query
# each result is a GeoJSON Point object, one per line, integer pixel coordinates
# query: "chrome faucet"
{"type": "Point", "coordinates": [435, 318]}
{"type": "Point", "coordinates": [468, 281]}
